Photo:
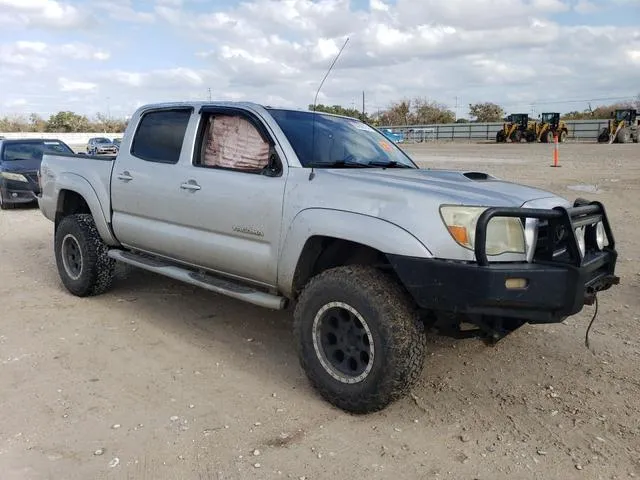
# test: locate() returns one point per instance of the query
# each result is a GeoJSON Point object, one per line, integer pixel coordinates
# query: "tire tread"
{"type": "Point", "coordinates": [403, 354]}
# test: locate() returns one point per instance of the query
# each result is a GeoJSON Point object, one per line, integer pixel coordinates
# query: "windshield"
{"type": "Point", "coordinates": [101, 140]}
{"type": "Point", "coordinates": [337, 141]}
{"type": "Point", "coordinates": [622, 115]}
{"type": "Point", "coordinates": [548, 117]}
{"type": "Point", "coordinates": [32, 150]}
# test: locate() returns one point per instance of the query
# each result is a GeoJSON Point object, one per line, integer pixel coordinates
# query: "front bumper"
{"type": "Point", "coordinates": [552, 293]}
{"type": "Point", "coordinates": [557, 284]}
{"type": "Point", "coordinates": [19, 192]}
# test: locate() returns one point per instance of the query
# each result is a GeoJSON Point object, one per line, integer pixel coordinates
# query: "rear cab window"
{"type": "Point", "coordinates": [160, 135]}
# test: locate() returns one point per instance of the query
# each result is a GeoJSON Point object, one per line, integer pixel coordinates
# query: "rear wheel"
{"type": "Point", "coordinates": [563, 136]}
{"type": "Point", "coordinates": [81, 256]}
{"type": "Point", "coordinates": [516, 136]}
{"type": "Point", "coordinates": [623, 135]}
{"type": "Point", "coordinates": [359, 338]}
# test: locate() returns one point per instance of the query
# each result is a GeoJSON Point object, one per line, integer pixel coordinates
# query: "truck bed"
{"type": "Point", "coordinates": [75, 171]}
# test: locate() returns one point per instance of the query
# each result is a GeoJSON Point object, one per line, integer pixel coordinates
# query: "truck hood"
{"type": "Point", "coordinates": [465, 187]}
{"type": "Point", "coordinates": [411, 198]}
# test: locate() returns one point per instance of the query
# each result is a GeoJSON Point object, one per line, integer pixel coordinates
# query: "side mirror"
{"type": "Point", "coordinates": [274, 167]}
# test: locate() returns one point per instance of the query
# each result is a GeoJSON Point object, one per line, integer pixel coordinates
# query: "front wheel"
{"type": "Point", "coordinates": [81, 256]}
{"type": "Point", "coordinates": [604, 136]}
{"type": "Point", "coordinates": [360, 341]}
{"type": "Point", "coordinates": [563, 136]}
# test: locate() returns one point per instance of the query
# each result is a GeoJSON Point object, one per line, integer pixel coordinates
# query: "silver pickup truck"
{"type": "Point", "coordinates": [281, 207]}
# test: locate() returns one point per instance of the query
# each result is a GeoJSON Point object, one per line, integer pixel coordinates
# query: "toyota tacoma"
{"type": "Point", "coordinates": [282, 207]}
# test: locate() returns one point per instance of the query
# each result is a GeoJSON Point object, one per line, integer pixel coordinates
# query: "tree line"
{"type": "Point", "coordinates": [62, 122]}
{"type": "Point", "coordinates": [418, 111]}
{"type": "Point", "coordinates": [421, 111]}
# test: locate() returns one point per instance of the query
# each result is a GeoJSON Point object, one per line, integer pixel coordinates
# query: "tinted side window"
{"type": "Point", "coordinates": [160, 135]}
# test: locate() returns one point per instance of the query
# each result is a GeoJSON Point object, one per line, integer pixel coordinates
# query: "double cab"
{"type": "Point", "coordinates": [324, 215]}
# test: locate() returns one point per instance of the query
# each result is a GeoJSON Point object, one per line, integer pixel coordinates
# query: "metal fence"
{"type": "Point", "coordinates": [579, 130]}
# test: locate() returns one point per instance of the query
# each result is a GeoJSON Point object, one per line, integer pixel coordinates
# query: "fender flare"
{"type": "Point", "coordinates": [371, 231]}
{"type": "Point", "coordinates": [78, 184]}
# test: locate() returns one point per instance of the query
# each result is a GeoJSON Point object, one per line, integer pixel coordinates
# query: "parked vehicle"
{"type": "Point", "coordinates": [282, 207]}
{"type": "Point", "coordinates": [391, 135]}
{"type": "Point", "coordinates": [19, 163]}
{"type": "Point", "coordinates": [101, 146]}
{"type": "Point", "coordinates": [117, 142]}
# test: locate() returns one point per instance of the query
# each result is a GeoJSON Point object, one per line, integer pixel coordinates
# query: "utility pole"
{"type": "Point", "coordinates": [109, 108]}
{"type": "Point", "coordinates": [456, 112]}
{"type": "Point", "coordinates": [209, 90]}
{"type": "Point", "coordinates": [363, 117]}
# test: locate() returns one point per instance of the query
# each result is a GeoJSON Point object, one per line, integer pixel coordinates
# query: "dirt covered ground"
{"type": "Point", "coordinates": [159, 380]}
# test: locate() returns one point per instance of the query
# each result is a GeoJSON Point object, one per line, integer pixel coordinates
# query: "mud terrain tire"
{"type": "Point", "coordinates": [355, 309]}
{"type": "Point", "coordinates": [81, 256]}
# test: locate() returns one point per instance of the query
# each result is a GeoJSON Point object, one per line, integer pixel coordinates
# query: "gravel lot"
{"type": "Point", "coordinates": [159, 380]}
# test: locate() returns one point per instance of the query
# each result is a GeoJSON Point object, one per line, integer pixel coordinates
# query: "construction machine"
{"type": "Point", "coordinates": [517, 127]}
{"type": "Point", "coordinates": [549, 126]}
{"type": "Point", "coordinates": [622, 127]}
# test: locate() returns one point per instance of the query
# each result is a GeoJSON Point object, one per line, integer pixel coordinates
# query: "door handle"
{"type": "Point", "coordinates": [190, 185]}
{"type": "Point", "coordinates": [125, 176]}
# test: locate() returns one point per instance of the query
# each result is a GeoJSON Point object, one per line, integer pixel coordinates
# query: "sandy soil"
{"type": "Point", "coordinates": [159, 380]}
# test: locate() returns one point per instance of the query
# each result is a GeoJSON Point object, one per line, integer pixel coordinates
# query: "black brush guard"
{"type": "Point", "coordinates": [560, 280]}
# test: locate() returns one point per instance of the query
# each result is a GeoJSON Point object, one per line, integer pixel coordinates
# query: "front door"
{"type": "Point", "coordinates": [232, 195]}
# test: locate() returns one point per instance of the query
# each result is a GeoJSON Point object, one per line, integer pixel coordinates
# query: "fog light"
{"type": "Point", "coordinates": [516, 283]}
{"type": "Point", "coordinates": [601, 235]}
{"type": "Point", "coordinates": [14, 194]}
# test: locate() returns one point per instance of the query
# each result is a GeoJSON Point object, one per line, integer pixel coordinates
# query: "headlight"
{"type": "Point", "coordinates": [14, 176]}
{"type": "Point", "coordinates": [504, 235]}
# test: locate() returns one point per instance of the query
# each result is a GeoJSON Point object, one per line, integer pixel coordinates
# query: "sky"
{"type": "Point", "coordinates": [112, 56]}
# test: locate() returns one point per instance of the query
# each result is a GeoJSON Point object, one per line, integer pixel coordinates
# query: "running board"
{"type": "Point", "coordinates": [203, 280]}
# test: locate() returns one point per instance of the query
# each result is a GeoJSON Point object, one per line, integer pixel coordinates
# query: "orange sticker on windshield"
{"type": "Point", "coordinates": [386, 146]}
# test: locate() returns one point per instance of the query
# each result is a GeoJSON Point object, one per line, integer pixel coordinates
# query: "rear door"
{"type": "Point", "coordinates": [145, 190]}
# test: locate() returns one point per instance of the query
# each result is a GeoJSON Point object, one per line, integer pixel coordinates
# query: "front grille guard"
{"type": "Point", "coordinates": [558, 220]}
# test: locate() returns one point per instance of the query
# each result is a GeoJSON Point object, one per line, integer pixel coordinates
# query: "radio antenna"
{"type": "Point", "coordinates": [315, 101]}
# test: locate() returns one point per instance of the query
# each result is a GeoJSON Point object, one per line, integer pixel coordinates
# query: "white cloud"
{"type": "Point", "coordinates": [36, 56]}
{"type": "Point", "coordinates": [67, 85]}
{"type": "Point", "coordinates": [277, 51]}
{"type": "Point", "coordinates": [45, 13]}
{"type": "Point", "coordinates": [123, 11]}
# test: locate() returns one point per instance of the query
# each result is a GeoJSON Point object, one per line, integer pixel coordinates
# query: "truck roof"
{"type": "Point", "coordinates": [196, 105]}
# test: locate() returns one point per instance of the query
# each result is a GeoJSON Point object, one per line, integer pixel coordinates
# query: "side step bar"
{"type": "Point", "coordinates": [203, 280]}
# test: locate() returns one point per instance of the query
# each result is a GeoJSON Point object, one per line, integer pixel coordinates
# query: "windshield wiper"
{"type": "Point", "coordinates": [389, 164]}
{"type": "Point", "coordinates": [338, 163]}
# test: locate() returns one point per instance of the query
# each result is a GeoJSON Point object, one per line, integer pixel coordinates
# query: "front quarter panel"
{"type": "Point", "coordinates": [366, 230]}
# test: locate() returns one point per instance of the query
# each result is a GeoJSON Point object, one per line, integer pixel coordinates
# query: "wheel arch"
{"type": "Point", "coordinates": [319, 239]}
{"type": "Point", "coordinates": [76, 195]}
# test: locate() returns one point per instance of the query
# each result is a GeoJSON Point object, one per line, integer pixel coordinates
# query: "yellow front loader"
{"type": "Point", "coordinates": [517, 127]}
{"type": "Point", "coordinates": [622, 127]}
{"type": "Point", "coordinates": [550, 125]}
